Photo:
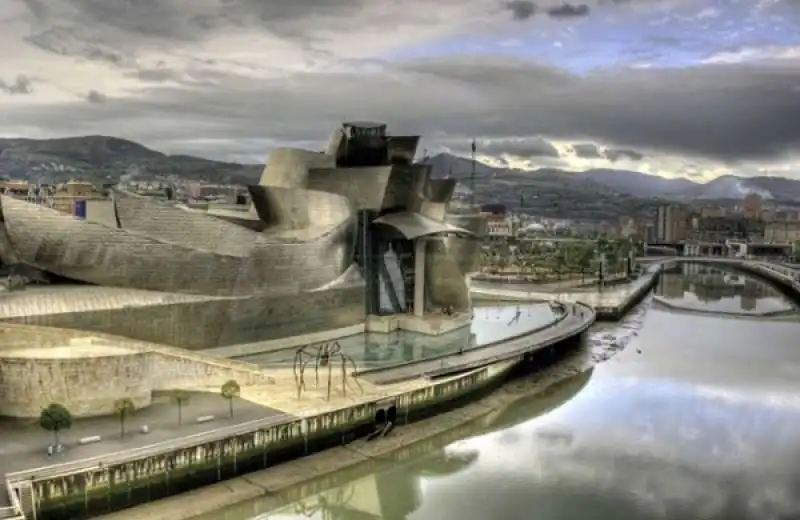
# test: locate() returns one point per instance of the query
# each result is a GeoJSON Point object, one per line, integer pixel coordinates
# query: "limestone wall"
{"type": "Point", "coordinates": [86, 385]}
{"type": "Point", "coordinates": [40, 365]}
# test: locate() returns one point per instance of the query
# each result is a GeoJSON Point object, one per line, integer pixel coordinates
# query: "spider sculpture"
{"type": "Point", "coordinates": [323, 355]}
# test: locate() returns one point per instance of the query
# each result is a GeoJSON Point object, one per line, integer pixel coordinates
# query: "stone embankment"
{"type": "Point", "coordinates": [609, 304]}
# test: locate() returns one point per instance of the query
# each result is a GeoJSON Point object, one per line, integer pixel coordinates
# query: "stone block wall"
{"type": "Point", "coordinates": [87, 386]}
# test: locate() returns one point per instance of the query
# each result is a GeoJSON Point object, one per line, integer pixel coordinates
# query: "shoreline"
{"type": "Point", "coordinates": [274, 484]}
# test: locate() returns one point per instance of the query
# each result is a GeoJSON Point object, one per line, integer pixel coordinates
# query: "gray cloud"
{"type": "Point", "coordinates": [586, 151]}
{"type": "Point", "coordinates": [21, 85]}
{"type": "Point", "coordinates": [521, 9]}
{"type": "Point", "coordinates": [756, 115]}
{"type": "Point", "coordinates": [568, 11]}
{"type": "Point", "coordinates": [615, 154]}
{"type": "Point", "coordinates": [69, 42]}
{"type": "Point", "coordinates": [95, 97]}
{"type": "Point", "coordinates": [521, 148]}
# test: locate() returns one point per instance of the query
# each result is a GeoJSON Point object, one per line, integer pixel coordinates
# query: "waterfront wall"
{"type": "Point", "coordinates": [632, 298]}
{"type": "Point", "coordinates": [87, 386]}
{"type": "Point", "coordinates": [95, 486]}
{"type": "Point", "coordinates": [40, 365]}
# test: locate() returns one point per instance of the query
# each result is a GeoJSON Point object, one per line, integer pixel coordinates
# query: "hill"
{"type": "Point", "coordinates": [108, 159]}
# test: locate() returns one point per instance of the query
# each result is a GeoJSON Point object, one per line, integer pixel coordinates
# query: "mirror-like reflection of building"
{"type": "Point", "coordinates": [731, 291]}
{"type": "Point", "coordinates": [395, 493]}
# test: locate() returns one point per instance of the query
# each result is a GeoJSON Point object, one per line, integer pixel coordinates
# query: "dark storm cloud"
{"type": "Point", "coordinates": [615, 154]}
{"type": "Point", "coordinates": [21, 85]}
{"type": "Point", "coordinates": [69, 42]}
{"type": "Point", "coordinates": [95, 97]}
{"type": "Point", "coordinates": [586, 151]}
{"type": "Point", "coordinates": [179, 19]}
{"type": "Point", "coordinates": [568, 11]}
{"type": "Point", "coordinates": [521, 9]}
{"type": "Point", "coordinates": [755, 115]}
{"type": "Point", "coordinates": [521, 148]}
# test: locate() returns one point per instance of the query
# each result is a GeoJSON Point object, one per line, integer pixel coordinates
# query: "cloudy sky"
{"type": "Point", "coordinates": [693, 88]}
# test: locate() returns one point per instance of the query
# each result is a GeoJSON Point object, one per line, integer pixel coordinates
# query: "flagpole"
{"type": "Point", "coordinates": [472, 173]}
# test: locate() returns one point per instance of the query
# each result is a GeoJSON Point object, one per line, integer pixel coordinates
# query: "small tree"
{"type": "Point", "coordinates": [230, 390]}
{"type": "Point", "coordinates": [180, 398]}
{"type": "Point", "coordinates": [124, 407]}
{"type": "Point", "coordinates": [55, 418]}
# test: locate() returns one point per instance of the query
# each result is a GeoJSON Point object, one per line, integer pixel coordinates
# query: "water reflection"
{"type": "Point", "coordinates": [711, 289]}
{"type": "Point", "coordinates": [697, 418]}
{"type": "Point", "coordinates": [491, 323]}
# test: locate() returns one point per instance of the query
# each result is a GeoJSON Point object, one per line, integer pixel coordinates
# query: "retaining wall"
{"type": "Point", "coordinates": [103, 484]}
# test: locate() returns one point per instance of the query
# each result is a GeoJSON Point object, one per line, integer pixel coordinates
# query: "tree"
{"type": "Point", "coordinates": [55, 418]}
{"type": "Point", "coordinates": [124, 407]}
{"type": "Point", "coordinates": [230, 390]}
{"type": "Point", "coordinates": [181, 398]}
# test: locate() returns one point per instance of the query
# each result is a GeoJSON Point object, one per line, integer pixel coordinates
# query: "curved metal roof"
{"type": "Point", "coordinates": [414, 225]}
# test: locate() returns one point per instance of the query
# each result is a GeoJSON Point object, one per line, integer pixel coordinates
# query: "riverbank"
{"type": "Point", "coordinates": [609, 305]}
{"type": "Point", "coordinates": [315, 473]}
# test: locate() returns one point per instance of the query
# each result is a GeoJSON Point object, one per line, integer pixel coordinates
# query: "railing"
{"type": "Point", "coordinates": [128, 455]}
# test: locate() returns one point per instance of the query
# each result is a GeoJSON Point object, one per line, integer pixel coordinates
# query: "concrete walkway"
{"type": "Point", "coordinates": [24, 443]}
{"type": "Point", "coordinates": [579, 318]}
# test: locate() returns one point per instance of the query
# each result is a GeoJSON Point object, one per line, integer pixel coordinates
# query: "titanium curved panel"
{"type": "Point", "coordinates": [364, 187]}
{"type": "Point", "coordinates": [414, 225]}
{"type": "Point", "coordinates": [7, 254]}
{"type": "Point", "coordinates": [286, 208]}
{"type": "Point", "coordinates": [245, 219]}
{"type": "Point", "coordinates": [466, 250]}
{"type": "Point", "coordinates": [439, 190]}
{"type": "Point", "coordinates": [93, 253]}
{"type": "Point", "coordinates": [187, 228]}
{"type": "Point", "coordinates": [445, 282]}
{"type": "Point", "coordinates": [403, 148]}
{"type": "Point", "coordinates": [289, 167]}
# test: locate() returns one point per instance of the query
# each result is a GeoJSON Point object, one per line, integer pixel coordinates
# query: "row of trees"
{"type": "Point", "coordinates": [542, 259]}
{"type": "Point", "coordinates": [57, 418]}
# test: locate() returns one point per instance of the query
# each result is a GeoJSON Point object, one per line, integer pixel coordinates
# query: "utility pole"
{"type": "Point", "coordinates": [472, 173]}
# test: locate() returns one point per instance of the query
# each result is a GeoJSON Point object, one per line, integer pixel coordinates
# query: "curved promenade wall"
{"type": "Point", "coordinates": [87, 385]}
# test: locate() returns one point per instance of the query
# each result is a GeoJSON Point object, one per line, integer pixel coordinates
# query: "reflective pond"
{"type": "Point", "coordinates": [491, 323]}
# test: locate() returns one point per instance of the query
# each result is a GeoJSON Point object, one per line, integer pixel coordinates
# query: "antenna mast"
{"type": "Point", "coordinates": [472, 173]}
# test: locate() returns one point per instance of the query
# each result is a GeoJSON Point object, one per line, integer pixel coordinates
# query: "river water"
{"type": "Point", "coordinates": [688, 416]}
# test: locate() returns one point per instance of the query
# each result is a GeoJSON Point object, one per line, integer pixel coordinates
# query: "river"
{"type": "Point", "coordinates": [697, 417]}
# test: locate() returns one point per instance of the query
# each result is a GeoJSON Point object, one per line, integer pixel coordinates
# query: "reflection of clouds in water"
{"type": "Point", "coordinates": [590, 483]}
{"type": "Point", "coordinates": [658, 449]}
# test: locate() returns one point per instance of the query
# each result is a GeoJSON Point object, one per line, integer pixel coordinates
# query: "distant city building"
{"type": "Point", "coordinates": [782, 231]}
{"type": "Point", "coordinates": [712, 211]}
{"type": "Point", "coordinates": [752, 206]}
{"type": "Point", "coordinates": [72, 196]}
{"type": "Point", "coordinates": [671, 224]}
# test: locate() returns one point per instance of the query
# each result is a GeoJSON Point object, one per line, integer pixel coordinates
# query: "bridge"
{"type": "Point", "coordinates": [787, 275]}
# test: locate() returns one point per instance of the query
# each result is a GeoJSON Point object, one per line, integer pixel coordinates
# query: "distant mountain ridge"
{"type": "Point", "coordinates": [592, 194]}
{"type": "Point", "coordinates": [103, 158]}
{"type": "Point", "coordinates": [638, 184]}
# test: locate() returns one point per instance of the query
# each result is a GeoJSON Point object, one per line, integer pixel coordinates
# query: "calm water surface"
{"type": "Point", "coordinates": [709, 289]}
{"type": "Point", "coordinates": [697, 418]}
